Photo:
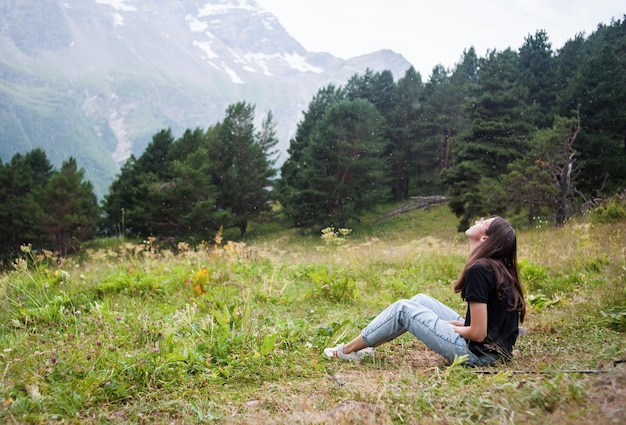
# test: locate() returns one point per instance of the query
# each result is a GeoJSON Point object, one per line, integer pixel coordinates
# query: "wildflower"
{"type": "Point", "coordinates": [332, 236]}
{"type": "Point", "coordinates": [218, 236]}
{"type": "Point", "coordinates": [64, 275]}
{"type": "Point", "coordinates": [26, 248]}
{"type": "Point", "coordinates": [201, 279]}
{"type": "Point", "coordinates": [20, 264]}
{"type": "Point", "coordinates": [33, 391]}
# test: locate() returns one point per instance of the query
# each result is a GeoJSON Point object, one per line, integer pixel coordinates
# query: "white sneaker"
{"type": "Point", "coordinates": [355, 356]}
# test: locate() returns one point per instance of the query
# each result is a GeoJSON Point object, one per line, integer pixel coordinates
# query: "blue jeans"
{"type": "Point", "coordinates": [427, 319]}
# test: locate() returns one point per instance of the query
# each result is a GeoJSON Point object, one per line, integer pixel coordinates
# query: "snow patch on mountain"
{"type": "Point", "coordinates": [217, 9]}
{"type": "Point", "coordinates": [118, 20]}
{"type": "Point", "coordinates": [118, 5]}
{"type": "Point", "coordinates": [196, 25]}
{"type": "Point", "coordinates": [233, 75]}
{"type": "Point", "coordinates": [299, 63]}
{"type": "Point", "coordinates": [205, 46]}
{"type": "Point", "coordinates": [292, 60]}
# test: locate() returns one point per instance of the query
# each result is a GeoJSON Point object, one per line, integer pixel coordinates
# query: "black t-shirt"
{"type": "Point", "coordinates": [502, 320]}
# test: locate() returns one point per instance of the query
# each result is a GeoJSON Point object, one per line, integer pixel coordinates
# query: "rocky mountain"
{"type": "Point", "coordinates": [95, 79]}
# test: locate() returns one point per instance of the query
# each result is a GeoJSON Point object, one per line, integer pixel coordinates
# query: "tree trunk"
{"type": "Point", "coordinates": [243, 228]}
{"type": "Point", "coordinates": [564, 194]}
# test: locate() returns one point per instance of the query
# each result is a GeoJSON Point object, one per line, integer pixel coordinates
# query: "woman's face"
{"type": "Point", "coordinates": [478, 232]}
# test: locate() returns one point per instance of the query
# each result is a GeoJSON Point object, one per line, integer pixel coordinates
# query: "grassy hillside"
{"type": "Point", "coordinates": [227, 332]}
{"type": "Point", "coordinates": [31, 120]}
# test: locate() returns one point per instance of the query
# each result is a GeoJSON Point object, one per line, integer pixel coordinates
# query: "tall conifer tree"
{"type": "Point", "coordinates": [244, 169]}
{"type": "Point", "coordinates": [21, 212]}
{"type": "Point", "coordinates": [71, 208]}
{"type": "Point", "coordinates": [495, 137]}
{"type": "Point", "coordinates": [341, 171]}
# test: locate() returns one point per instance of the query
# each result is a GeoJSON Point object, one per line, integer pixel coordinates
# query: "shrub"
{"type": "Point", "coordinates": [611, 211]}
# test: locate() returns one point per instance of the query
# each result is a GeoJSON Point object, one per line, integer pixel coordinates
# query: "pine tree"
{"type": "Point", "coordinates": [244, 169]}
{"type": "Point", "coordinates": [495, 137]}
{"type": "Point", "coordinates": [289, 172]}
{"type": "Point", "coordinates": [71, 208]}
{"type": "Point", "coordinates": [376, 87]}
{"type": "Point", "coordinates": [133, 205]}
{"type": "Point", "coordinates": [21, 210]}
{"type": "Point", "coordinates": [445, 112]}
{"type": "Point", "coordinates": [545, 177]}
{"type": "Point", "coordinates": [406, 134]}
{"type": "Point", "coordinates": [340, 172]}
{"type": "Point", "coordinates": [599, 91]}
{"type": "Point", "coordinates": [197, 197]}
{"type": "Point", "coordinates": [538, 73]}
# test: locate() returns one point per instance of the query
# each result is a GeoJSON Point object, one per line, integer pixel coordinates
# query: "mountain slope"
{"type": "Point", "coordinates": [95, 79]}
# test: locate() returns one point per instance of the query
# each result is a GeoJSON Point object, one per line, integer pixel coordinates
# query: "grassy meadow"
{"type": "Point", "coordinates": [233, 333]}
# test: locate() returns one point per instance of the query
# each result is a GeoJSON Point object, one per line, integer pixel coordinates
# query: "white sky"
{"type": "Point", "coordinates": [428, 33]}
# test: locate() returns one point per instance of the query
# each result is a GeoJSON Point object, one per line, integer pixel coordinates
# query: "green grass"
{"type": "Point", "coordinates": [233, 333]}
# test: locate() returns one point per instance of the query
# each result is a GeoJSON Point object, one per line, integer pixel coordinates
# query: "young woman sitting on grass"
{"type": "Point", "coordinates": [490, 285]}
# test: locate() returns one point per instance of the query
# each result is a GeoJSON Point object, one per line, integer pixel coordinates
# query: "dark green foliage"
{"type": "Point", "coordinates": [445, 116]}
{"type": "Point", "coordinates": [243, 165]}
{"type": "Point", "coordinates": [539, 75]}
{"type": "Point", "coordinates": [290, 176]}
{"type": "Point", "coordinates": [406, 153]}
{"type": "Point", "coordinates": [192, 186]}
{"type": "Point", "coordinates": [21, 181]}
{"type": "Point", "coordinates": [543, 175]}
{"type": "Point", "coordinates": [341, 170]}
{"type": "Point", "coordinates": [167, 192]}
{"type": "Point", "coordinates": [596, 85]}
{"type": "Point", "coordinates": [612, 210]}
{"type": "Point", "coordinates": [494, 137]}
{"type": "Point", "coordinates": [378, 88]}
{"type": "Point", "coordinates": [44, 208]}
{"type": "Point", "coordinates": [71, 208]}
{"type": "Point", "coordinates": [600, 89]}
{"type": "Point", "coordinates": [136, 203]}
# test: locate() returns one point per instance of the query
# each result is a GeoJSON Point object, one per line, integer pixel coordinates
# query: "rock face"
{"type": "Point", "coordinates": [95, 79]}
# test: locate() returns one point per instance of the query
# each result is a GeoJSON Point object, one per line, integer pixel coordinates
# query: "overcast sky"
{"type": "Point", "coordinates": [428, 33]}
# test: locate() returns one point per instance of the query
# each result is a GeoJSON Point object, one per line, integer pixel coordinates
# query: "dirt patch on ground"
{"type": "Point", "coordinates": [609, 395]}
{"type": "Point", "coordinates": [312, 405]}
{"type": "Point", "coordinates": [323, 401]}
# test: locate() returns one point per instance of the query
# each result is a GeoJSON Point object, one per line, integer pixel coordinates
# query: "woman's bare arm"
{"type": "Point", "coordinates": [477, 330]}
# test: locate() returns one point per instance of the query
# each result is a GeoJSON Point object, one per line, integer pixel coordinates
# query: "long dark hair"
{"type": "Point", "coordinates": [498, 253]}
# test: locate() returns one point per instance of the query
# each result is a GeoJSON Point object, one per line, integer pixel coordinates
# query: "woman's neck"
{"type": "Point", "coordinates": [472, 246]}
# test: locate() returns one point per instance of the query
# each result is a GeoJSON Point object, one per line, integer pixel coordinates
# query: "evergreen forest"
{"type": "Point", "coordinates": [533, 133]}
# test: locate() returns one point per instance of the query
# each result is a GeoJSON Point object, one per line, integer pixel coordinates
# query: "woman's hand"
{"type": "Point", "coordinates": [456, 323]}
